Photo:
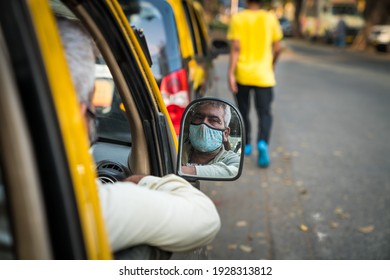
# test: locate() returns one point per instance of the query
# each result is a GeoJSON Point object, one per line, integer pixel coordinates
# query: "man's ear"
{"type": "Point", "coordinates": [226, 134]}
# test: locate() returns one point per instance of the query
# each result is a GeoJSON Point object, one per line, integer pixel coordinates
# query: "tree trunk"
{"type": "Point", "coordinates": [297, 24]}
{"type": "Point", "coordinates": [376, 12]}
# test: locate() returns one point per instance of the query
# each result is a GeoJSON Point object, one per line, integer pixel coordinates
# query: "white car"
{"type": "Point", "coordinates": [379, 37]}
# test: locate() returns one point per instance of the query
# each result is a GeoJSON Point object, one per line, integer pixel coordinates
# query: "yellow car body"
{"type": "Point", "coordinates": [191, 43]}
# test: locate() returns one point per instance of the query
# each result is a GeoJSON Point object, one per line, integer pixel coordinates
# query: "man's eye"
{"type": "Point", "coordinates": [197, 119]}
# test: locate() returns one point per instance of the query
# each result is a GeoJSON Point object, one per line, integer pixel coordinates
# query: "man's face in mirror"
{"type": "Point", "coordinates": [213, 115]}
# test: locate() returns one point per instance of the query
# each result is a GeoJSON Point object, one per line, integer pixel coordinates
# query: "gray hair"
{"type": "Point", "coordinates": [79, 49]}
{"type": "Point", "coordinates": [226, 108]}
{"type": "Point", "coordinates": [228, 114]}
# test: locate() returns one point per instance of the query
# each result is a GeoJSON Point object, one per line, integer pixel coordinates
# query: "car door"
{"type": "Point", "coordinates": [49, 207]}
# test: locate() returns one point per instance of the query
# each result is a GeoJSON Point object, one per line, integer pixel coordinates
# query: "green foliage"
{"type": "Point", "coordinates": [218, 25]}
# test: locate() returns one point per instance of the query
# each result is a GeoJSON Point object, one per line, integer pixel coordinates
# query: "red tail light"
{"type": "Point", "coordinates": [174, 90]}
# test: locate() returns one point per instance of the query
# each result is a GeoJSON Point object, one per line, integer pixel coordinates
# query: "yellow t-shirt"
{"type": "Point", "coordinates": [256, 31]}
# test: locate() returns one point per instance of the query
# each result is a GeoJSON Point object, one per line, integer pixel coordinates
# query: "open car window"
{"type": "Point", "coordinates": [156, 19]}
{"type": "Point", "coordinates": [112, 123]}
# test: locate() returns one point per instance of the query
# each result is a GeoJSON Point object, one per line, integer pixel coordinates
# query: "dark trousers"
{"type": "Point", "coordinates": [263, 99]}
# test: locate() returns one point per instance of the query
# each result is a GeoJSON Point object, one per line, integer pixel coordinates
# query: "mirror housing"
{"type": "Point", "coordinates": [210, 142]}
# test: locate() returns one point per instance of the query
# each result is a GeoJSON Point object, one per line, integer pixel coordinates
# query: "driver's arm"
{"type": "Point", "coordinates": [164, 212]}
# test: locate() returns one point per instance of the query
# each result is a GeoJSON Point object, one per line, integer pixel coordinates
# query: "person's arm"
{"type": "Point", "coordinates": [188, 170]}
{"type": "Point", "coordinates": [225, 166]}
{"type": "Point", "coordinates": [276, 50]}
{"type": "Point", "coordinates": [164, 212]}
{"type": "Point", "coordinates": [233, 59]}
{"type": "Point", "coordinates": [218, 169]}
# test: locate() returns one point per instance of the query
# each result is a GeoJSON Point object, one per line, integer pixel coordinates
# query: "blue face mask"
{"type": "Point", "coordinates": [204, 138]}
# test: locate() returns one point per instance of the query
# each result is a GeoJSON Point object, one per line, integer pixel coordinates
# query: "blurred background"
{"type": "Point", "coordinates": [368, 20]}
{"type": "Point", "coordinates": [326, 194]}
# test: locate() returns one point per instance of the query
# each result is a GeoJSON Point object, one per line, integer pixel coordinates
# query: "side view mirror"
{"type": "Point", "coordinates": [211, 140]}
{"type": "Point", "coordinates": [219, 46]}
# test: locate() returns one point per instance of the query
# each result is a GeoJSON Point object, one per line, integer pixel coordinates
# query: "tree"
{"type": "Point", "coordinates": [375, 12]}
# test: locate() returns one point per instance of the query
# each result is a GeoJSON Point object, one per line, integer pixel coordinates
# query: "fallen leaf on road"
{"type": "Point", "coordinates": [246, 249]}
{"type": "Point", "coordinates": [299, 183]}
{"type": "Point", "coordinates": [287, 182]}
{"type": "Point", "coordinates": [295, 154]}
{"type": "Point", "coordinates": [241, 223]}
{"type": "Point", "coordinates": [279, 171]}
{"type": "Point", "coordinates": [304, 228]}
{"type": "Point", "coordinates": [303, 191]}
{"type": "Point", "coordinates": [250, 237]}
{"type": "Point", "coordinates": [321, 236]}
{"type": "Point", "coordinates": [341, 213]}
{"type": "Point", "coordinates": [287, 156]}
{"type": "Point", "coordinates": [260, 234]}
{"type": "Point", "coordinates": [334, 225]}
{"type": "Point", "coordinates": [367, 229]}
{"type": "Point", "coordinates": [232, 246]}
{"type": "Point", "coordinates": [209, 247]}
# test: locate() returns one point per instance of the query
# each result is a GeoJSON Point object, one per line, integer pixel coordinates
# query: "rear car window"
{"type": "Point", "coordinates": [112, 123]}
{"type": "Point", "coordinates": [157, 21]}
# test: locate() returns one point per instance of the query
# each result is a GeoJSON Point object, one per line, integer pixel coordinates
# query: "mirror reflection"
{"type": "Point", "coordinates": [211, 140]}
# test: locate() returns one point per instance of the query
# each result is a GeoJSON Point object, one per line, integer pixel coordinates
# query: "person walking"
{"type": "Point", "coordinates": [255, 36]}
{"type": "Point", "coordinates": [340, 33]}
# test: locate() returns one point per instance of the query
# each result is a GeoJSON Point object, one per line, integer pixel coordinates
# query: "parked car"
{"type": "Point", "coordinates": [178, 42]}
{"type": "Point", "coordinates": [198, 50]}
{"type": "Point", "coordinates": [49, 207]}
{"type": "Point", "coordinates": [379, 37]}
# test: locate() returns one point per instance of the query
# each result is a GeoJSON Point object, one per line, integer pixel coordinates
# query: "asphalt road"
{"type": "Point", "coordinates": [326, 194]}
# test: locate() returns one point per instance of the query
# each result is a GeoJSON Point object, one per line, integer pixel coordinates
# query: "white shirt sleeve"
{"type": "Point", "coordinates": [166, 212]}
{"type": "Point", "coordinates": [218, 169]}
{"type": "Point", "coordinates": [224, 165]}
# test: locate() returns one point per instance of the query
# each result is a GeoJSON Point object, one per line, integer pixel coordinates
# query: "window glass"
{"type": "Point", "coordinates": [6, 240]}
{"type": "Point", "coordinates": [112, 123]}
{"type": "Point", "coordinates": [156, 19]}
